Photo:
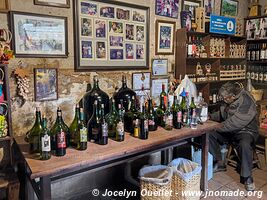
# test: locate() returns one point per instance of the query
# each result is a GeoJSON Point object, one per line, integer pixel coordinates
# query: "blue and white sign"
{"type": "Point", "coordinates": [222, 25]}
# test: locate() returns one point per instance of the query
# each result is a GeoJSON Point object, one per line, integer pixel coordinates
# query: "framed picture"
{"type": "Point", "coordinates": [157, 87]}
{"type": "Point", "coordinates": [209, 6]}
{"type": "Point", "coordinates": [167, 8]}
{"type": "Point", "coordinates": [31, 37]}
{"type": "Point", "coordinates": [141, 80]}
{"type": "Point", "coordinates": [56, 3]}
{"type": "Point", "coordinates": [160, 67]}
{"type": "Point", "coordinates": [190, 6]}
{"type": "Point", "coordinates": [186, 20]}
{"type": "Point", "coordinates": [229, 8]}
{"type": "Point", "coordinates": [165, 37]}
{"type": "Point", "coordinates": [45, 84]}
{"type": "Point", "coordinates": [110, 33]}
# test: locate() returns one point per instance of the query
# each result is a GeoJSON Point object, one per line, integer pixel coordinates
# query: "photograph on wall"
{"type": "Point", "coordinates": [100, 28]}
{"type": "Point", "coordinates": [263, 28]}
{"type": "Point", "coordinates": [140, 33]}
{"type": "Point", "coordinates": [190, 6]}
{"type": "Point", "coordinates": [165, 37]}
{"type": "Point", "coordinates": [229, 8]}
{"type": "Point", "coordinates": [167, 8]}
{"type": "Point", "coordinates": [107, 11]}
{"type": "Point", "coordinates": [86, 27]}
{"type": "Point", "coordinates": [88, 8]}
{"type": "Point", "coordinates": [31, 38]}
{"type": "Point", "coordinates": [87, 49]}
{"type": "Point", "coordinates": [113, 31]}
{"type": "Point", "coordinates": [115, 41]}
{"type": "Point", "coordinates": [123, 14]}
{"type": "Point", "coordinates": [129, 31]}
{"type": "Point", "coordinates": [45, 84]}
{"type": "Point", "coordinates": [160, 67]}
{"type": "Point", "coordinates": [101, 50]}
{"type": "Point", "coordinates": [209, 6]}
{"type": "Point", "coordinates": [256, 28]}
{"type": "Point", "coordinates": [141, 81]}
{"type": "Point", "coordinates": [186, 20]}
{"type": "Point", "coordinates": [116, 54]}
{"type": "Point", "coordinates": [129, 48]}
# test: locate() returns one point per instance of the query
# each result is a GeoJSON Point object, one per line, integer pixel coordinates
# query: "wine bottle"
{"type": "Point", "coordinates": [60, 136]}
{"type": "Point", "coordinates": [45, 152]}
{"type": "Point", "coordinates": [175, 113]}
{"type": "Point", "coordinates": [143, 124]}
{"type": "Point", "coordinates": [93, 124]}
{"type": "Point", "coordinates": [130, 116]}
{"type": "Point", "coordinates": [120, 125]}
{"type": "Point", "coordinates": [82, 132]}
{"type": "Point", "coordinates": [160, 112]}
{"type": "Point", "coordinates": [189, 48]}
{"type": "Point", "coordinates": [74, 127]}
{"type": "Point", "coordinates": [164, 95]}
{"type": "Point", "coordinates": [89, 98]}
{"type": "Point", "coordinates": [35, 132]}
{"type": "Point", "coordinates": [103, 132]}
{"type": "Point", "coordinates": [168, 118]}
{"type": "Point", "coordinates": [125, 94]}
{"type": "Point", "coordinates": [183, 107]}
{"type": "Point", "coordinates": [152, 118]}
{"type": "Point", "coordinates": [192, 106]}
{"type": "Point", "coordinates": [112, 119]}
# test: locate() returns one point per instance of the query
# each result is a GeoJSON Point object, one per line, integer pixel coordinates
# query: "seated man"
{"type": "Point", "coordinates": [239, 126]}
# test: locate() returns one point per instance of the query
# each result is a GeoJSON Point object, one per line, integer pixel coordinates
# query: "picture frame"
{"type": "Point", "coordinates": [4, 6]}
{"type": "Point", "coordinates": [190, 6]}
{"type": "Point", "coordinates": [156, 86]}
{"type": "Point", "coordinates": [256, 28]}
{"type": "Point", "coordinates": [186, 20]}
{"type": "Point", "coordinates": [31, 38]}
{"type": "Point", "coordinates": [229, 8]}
{"type": "Point", "coordinates": [54, 3]}
{"type": "Point", "coordinates": [45, 84]}
{"type": "Point", "coordinates": [160, 67]}
{"type": "Point", "coordinates": [165, 37]}
{"type": "Point", "coordinates": [167, 9]}
{"type": "Point", "coordinates": [209, 6]}
{"type": "Point", "coordinates": [140, 79]}
{"type": "Point", "coordinates": [120, 33]}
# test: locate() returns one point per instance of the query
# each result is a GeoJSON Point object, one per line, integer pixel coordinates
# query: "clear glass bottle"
{"type": "Point", "coordinates": [45, 153]}
{"type": "Point", "coordinates": [112, 119]}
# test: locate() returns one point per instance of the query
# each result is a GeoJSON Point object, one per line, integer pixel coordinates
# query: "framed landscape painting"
{"type": "Point", "coordinates": [229, 8]}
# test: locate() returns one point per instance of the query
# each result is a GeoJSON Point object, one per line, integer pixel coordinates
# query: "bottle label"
{"type": "Point", "coordinates": [165, 101]}
{"type": "Point", "coordinates": [190, 50]}
{"type": "Point", "coordinates": [46, 145]}
{"type": "Point", "coordinates": [261, 77]}
{"type": "Point", "coordinates": [185, 117]}
{"type": "Point", "coordinates": [179, 116]}
{"type": "Point", "coordinates": [136, 131]}
{"type": "Point", "coordinates": [170, 120]}
{"type": "Point", "coordinates": [104, 127]}
{"type": "Point", "coordinates": [61, 140]}
{"type": "Point", "coordinates": [83, 134]}
{"type": "Point", "coordinates": [151, 122]}
{"type": "Point", "coordinates": [248, 75]}
{"type": "Point", "coordinates": [146, 124]}
{"type": "Point", "coordinates": [120, 128]}
{"type": "Point", "coordinates": [194, 113]}
{"type": "Point", "coordinates": [252, 75]}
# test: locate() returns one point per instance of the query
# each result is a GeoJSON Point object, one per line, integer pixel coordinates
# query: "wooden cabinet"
{"type": "Point", "coordinates": [185, 65]}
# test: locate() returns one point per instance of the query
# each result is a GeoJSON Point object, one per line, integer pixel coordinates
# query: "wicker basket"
{"type": "Point", "coordinates": [155, 182]}
{"type": "Point", "coordinates": [180, 185]}
{"type": "Point", "coordinates": [257, 94]}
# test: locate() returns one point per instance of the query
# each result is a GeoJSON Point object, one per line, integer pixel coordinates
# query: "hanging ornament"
{"type": "Point", "coordinates": [22, 77]}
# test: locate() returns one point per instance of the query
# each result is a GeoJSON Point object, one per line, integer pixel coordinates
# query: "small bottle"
{"type": "Point", "coordinates": [160, 112]}
{"type": "Point", "coordinates": [168, 118]}
{"type": "Point", "coordinates": [45, 153]}
{"type": "Point", "coordinates": [193, 123]}
{"type": "Point", "coordinates": [103, 132]}
{"type": "Point", "coordinates": [143, 124]}
{"type": "Point", "coordinates": [120, 125]}
{"type": "Point", "coordinates": [136, 129]}
{"type": "Point", "coordinates": [152, 118]}
{"type": "Point", "coordinates": [94, 123]}
{"type": "Point", "coordinates": [112, 120]}
{"type": "Point", "coordinates": [83, 132]}
{"type": "Point", "coordinates": [61, 143]}
{"type": "Point", "coordinates": [175, 109]}
{"type": "Point", "coordinates": [74, 127]}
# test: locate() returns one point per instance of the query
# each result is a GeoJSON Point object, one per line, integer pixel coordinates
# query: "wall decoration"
{"type": "Point", "coordinates": [56, 3]}
{"type": "Point", "coordinates": [108, 33]}
{"type": "Point", "coordinates": [190, 6]}
{"type": "Point", "coordinates": [160, 67]}
{"type": "Point", "coordinates": [141, 80]}
{"type": "Point", "coordinates": [23, 87]}
{"type": "Point", "coordinates": [186, 20]}
{"type": "Point", "coordinates": [256, 28]}
{"type": "Point", "coordinates": [229, 8]}
{"type": "Point", "coordinates": [209, 6]}
{"type": "Point", "coordinates": [31, 37]}
{"type": "Point", "coordinates": [167, 8]}
{"type": "Point", "coordinates": [45, 84]}
{"type": "Point", "coordinates": [165, 37]}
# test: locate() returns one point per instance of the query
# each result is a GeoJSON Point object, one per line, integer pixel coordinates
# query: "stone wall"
{"type": "Point", "coordinates": [72, 85]}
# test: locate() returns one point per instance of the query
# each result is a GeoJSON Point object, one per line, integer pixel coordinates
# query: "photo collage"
{"type": "Point", "coordinates": [110, 32]}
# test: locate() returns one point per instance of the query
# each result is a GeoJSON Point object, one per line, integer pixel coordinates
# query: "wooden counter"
{"type": "Point", "coordinates": [97, 156]}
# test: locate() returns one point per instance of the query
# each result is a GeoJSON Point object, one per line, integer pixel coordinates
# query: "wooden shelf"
{"type": "Point", "coordinates": [257, 40]}
{"type": "Point", "coordinates": [257, 62]}
{"type": "Point", "coordinates": [216, 58]}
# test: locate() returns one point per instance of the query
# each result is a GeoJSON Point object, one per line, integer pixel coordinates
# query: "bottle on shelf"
{"type": "Point", "coordinates": [160, 112]}
{"type": "Point", "coordinates": [45, 141]}
{"type": "Point", "coordinates": [189, 48]}
{"type": "Point", "coordinates": [93, 124]}
{"type": "Point", "coordinates": [33, 136]}
{"type": "Point", "coordinates": [82, 132]}
{"type": "Point", "coordinates": [89, 98]}
{"type": "Point", "coordinates": [256, 74]}
{"type": "Point", "coordinates": [175, 113]}
{"type": "Point", "coordinates": [263, 49]}
{"type": "Point", "coordinates": [168, 118]}
{"type": "Point", "coordinates": [103, 132]}
{"type": "Point", "coordinates": [192, 107]}
{"type": "Point", "coordinates": [74, 127]}
{"type": "Point", "coordinates": [252, 73]}
{"type": "Point", "coordinates": [60, 136]}
{"type": "Point", "coordinates": [258, 52]}
{"type": "Point", "coordinates": [193, 121]}
{"type": "Point", "coordinates": [152, 118]}
{"type": "Point", "coordinates": [253, 53]}
{"type": "Point", "coordinates": [131, 116]}
{"type": "Point", "coordinates": [265, 76]}
{"type": "Point", "coordinates": [202, 109]}
{"type": "Point", "coordinates": [112, 120]}
{"type": "Point", "coordinates": [249, 53]}
{"type": "Point", "coordinates": [120, 125]}
{"type": "Point", "coordinates": [183, 107]}
{"type": "Point", "coordinates": [164, 95]}
{"type": "Point", "coordinates": [125, 94]}
{"type": "Point", "coordinates": [143, 124]}
{"type": "Point", "coordinates": [248, 72]}
{"type": "Point", "coordinates": [136, 128]}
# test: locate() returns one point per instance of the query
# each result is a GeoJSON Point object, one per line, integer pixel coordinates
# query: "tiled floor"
{"type": "Point", "coordinates": [229, 181]}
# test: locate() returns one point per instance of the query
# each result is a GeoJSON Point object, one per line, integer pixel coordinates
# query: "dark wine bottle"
{"type": "Point", "coordinates": [160, 112]}
{"type": "Point", "coordinates": [143, 124]}
{"type": "Point", "coordinates": [125, 94]}
{"type": "Point", "coordinates": [168, 118]}
{"type": "Point", "coordinates": [184, 108]}
{"type": "Point", "coordinates": [112, 119]}
{"type": "Point", "coordinates": [89, 98]}
{"type": "Point", "coordinates": [93, 124]}
{"type": "Point", "coordinates": [152, 118]}
{"type": "Point", "coordinates": [74, 127]}
{"type": "Point", "coordinates": [82, 132]}
{"type": "Point", "coordinates": [103, 131]}
{"type": "Point", "coordinates": [35, 132]}
{"type": "Point", "coordinates": [120, 125]}
{"type": "Point", "coordinates": [61, 143]}
{"type": "Point", "coordinates": [175, 113]}
{"type": "Point", "coordinates": [131, 116]}
{"type": "Point", "coordinates": [45, 141]}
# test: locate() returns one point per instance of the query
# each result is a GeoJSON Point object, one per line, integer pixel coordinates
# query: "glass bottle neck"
{"type": "Point", "coordinates": [96, 86]}
{"type": "Point", "coordinates": [38, 117]}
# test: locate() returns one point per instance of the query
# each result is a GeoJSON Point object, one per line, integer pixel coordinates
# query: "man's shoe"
{"type": "Point", "coordinates": [249, 184]}
{"type": "Point", "coordinates": [219, 168]}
